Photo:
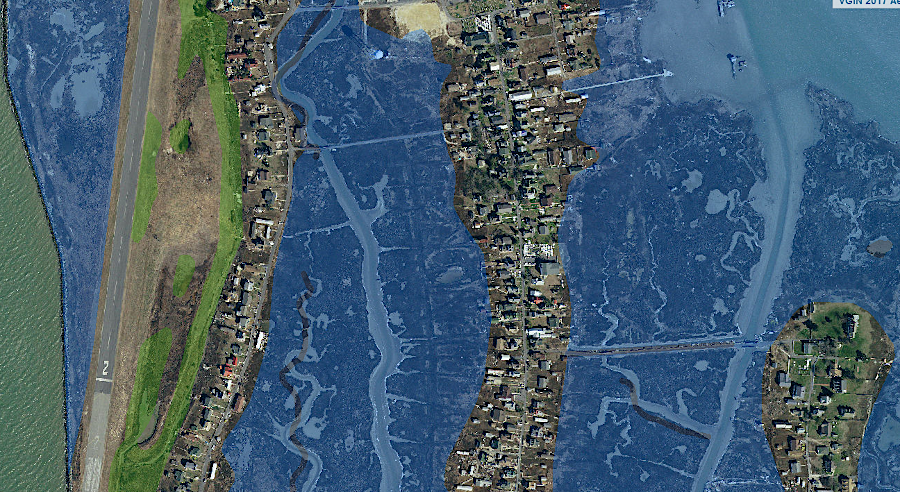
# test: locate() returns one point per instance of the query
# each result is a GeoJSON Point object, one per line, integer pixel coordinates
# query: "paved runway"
{"type": "Point", "coordinates": [118, 265]}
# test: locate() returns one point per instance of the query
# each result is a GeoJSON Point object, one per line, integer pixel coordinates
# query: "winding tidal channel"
{"type": "Point", "coordinates": [360, 221]}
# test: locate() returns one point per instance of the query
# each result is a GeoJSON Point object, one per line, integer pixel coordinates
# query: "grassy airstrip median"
{"type": "Point", "coordinates": [178, 136]}
{"type": "Point", "coordinates": [151, 361]}
{"type": "Point", "coordinates": [138, 469]}
{"type": "Point", "coordinates": [184, 271]}
{"type": "Point", "coordinates": [147, 185]}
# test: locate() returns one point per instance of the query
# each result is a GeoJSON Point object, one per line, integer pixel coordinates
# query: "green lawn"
{"type": "Point", "coordinates": [151, 362]}
{"type": "Point", "coordinates": [147, 186]}
{"type": "Point", "coordinates": [203, 35]}
{"type": "Point", "coordinates": [184, 271]}
{"type": "Point", "coordinates": [178, 136]}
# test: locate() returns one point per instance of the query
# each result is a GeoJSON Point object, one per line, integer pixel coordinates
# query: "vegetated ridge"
{"type": "Point", "coordinates": [822, 376]}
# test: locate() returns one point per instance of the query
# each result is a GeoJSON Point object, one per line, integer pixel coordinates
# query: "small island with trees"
{"type": "Point", "coordinates": [822, 376]}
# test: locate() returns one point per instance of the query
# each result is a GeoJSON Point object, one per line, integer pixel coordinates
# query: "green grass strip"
{"type": "Point", "coordinates": [147, 185]}
{"type": "Point", "coordinates": [151, 362]}
{"type": "Point", "coordinates": [184, 272]}
{"type": "Point", "coordinates": [203, 34]}
{"type": "Point", "coordinates": [178, 136]}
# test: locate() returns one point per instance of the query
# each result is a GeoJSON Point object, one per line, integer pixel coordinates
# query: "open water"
{"type": "Point", "coordinates": [32, 427]}
{"type": "Point", "coordinates": [853, 53]}
{"type": "Point", "coordinates": [65, 73]}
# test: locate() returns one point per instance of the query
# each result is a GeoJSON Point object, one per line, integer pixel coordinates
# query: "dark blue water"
{"type": "Point", "coordinates": [65, 71]}
{"type": "Point", "coordinates": [397, 314]}
{"type": "Point", "coordinates": [654, 255]}
{"type": "Point", "coordinates": [659, 244]}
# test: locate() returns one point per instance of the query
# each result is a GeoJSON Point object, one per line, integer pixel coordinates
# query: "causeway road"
{"type": "Point", "coordinates": [121, 242]}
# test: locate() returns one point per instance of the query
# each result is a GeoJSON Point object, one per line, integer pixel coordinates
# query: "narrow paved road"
{"type": "Point", "coordinates": [121, 241]}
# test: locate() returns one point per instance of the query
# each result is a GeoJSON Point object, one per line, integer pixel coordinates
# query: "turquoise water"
{"type": "Point", "coordinates": [32, 428]}
{"type": "Point", "coordinates": [853, 53]}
